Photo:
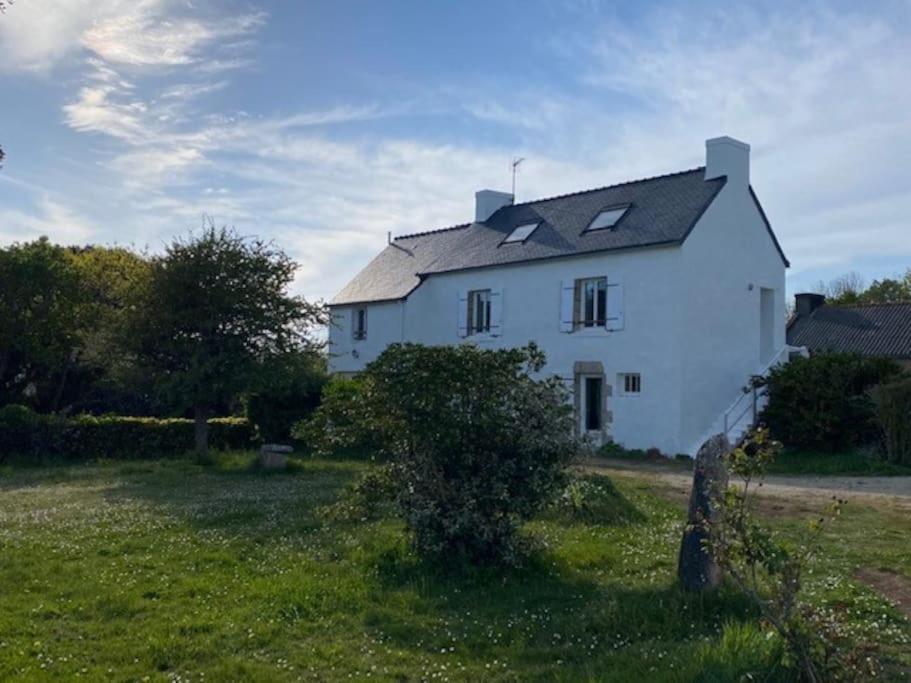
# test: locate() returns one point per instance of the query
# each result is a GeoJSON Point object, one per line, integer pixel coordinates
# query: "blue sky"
{"type": "Point", "coordinates": [323, 125]}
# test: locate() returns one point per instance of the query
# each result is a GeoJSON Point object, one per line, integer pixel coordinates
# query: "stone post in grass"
{"type": "Point", "coordinates": [696, 566]}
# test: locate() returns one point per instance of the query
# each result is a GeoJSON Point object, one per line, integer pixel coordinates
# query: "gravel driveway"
{"type": "Point", "coordinates": [778, 484]}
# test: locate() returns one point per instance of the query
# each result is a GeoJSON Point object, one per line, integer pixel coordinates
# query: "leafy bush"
{"type": "Point", "coordinates": [288, 392]}
{"type": "Point", "coordinates": [373, 493]}
{"type": "Point", "coordinates": [24, 432]}
{"type": "Point", "coordinates": [893, 411]}
{"type": "Point", "coordinates": [476, 445]}
{"type": "Point", "coordinates": [823, 402]}
{"type": "Point", "coordinates": [816, 644]}
{"type": "Point", "coordinates": [335, 426]}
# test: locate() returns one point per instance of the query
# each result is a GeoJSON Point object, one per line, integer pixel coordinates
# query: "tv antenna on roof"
{"type": "Point", "coordinates": [515, 165]}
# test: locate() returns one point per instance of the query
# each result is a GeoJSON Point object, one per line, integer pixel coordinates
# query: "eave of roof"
{"type": "Point", "coordinates": [663, 212]}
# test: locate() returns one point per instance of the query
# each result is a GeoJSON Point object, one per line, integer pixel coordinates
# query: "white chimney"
{"type": "Point", "coordinates": [726, 156]}
{"type": "Point", "coordinates": [486, 203]}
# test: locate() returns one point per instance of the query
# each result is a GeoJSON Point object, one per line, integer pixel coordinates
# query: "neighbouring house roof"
{"type": "Point", "coordinates": [662, 211]}
{"type": "Point", "coordinates": [871, 330]}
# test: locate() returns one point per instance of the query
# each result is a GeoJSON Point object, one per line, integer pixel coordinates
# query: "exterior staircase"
{"type": "Point", "coordinates": [743, 413]}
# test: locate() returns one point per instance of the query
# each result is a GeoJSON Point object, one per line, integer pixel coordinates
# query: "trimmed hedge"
{"type": "Point", "coordinates": [23, 432]}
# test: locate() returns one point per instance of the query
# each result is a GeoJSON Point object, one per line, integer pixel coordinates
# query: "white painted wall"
{"type": "Point", "coordinates": [727, 259]}
{"type": "Point", "coordinates": [531, 312]}
{"type": "Point", "coordinates": [384, 326]}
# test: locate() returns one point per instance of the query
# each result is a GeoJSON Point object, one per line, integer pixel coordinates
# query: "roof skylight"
{"type": "Point", "coordinates": [521, 232]}
{"type": "Point", "coordinates": [607, 218]}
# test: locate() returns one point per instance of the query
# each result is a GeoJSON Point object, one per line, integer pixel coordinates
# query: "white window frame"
{"type": "Point", "coordinates": [359, 323]}
{"type": "Point", "coordinates": [598, 285]}
{"type": "Point", "coordinates": [521, 233]}
{"type": "Point", "coordinates": [620, 212]}
{"type": "Point", "coordinates": [630, 383]}
{"type": "Point", "coordinates": [480, 303]}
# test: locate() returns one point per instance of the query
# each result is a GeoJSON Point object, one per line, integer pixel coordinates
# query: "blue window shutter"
{"type": "Point", "coordinates": [614, 305]}
{"type": "Point", "coordinates": [567, 300]}
{"type": "Point", "coordinates": [496, 312]}
{"type": "Point", "coordinates": [462, 319]}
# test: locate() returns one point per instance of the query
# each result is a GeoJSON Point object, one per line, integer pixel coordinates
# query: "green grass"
{"type": "Point", "coordinates": [792, 461]}
{"type": "Point", "coordinates": [180, 571]}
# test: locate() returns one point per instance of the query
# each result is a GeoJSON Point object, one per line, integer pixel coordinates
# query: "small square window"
{"type": "Point", "coordinates": [521, 233]}
{"type": "Point", "coordinates": [359, 323]}
{"type": "Point", "coordinates": [631, 382]}
{"type": "Point", "coordinates": [607, 218]}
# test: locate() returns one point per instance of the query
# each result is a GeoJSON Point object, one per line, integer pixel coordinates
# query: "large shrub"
{"type": "Point", "coordinates": [477, 445]}
{"type": "Point", "coordinates": [287, 392]}
{"type": "Point", "coordinates": [893, 411]}
{"type": "Point", "coordinates": [23, 432]}
{"type": "Point", "coordinates": [823, 402]}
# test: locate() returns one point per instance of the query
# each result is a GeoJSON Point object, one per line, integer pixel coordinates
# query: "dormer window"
{"type": "Point", "coordinates": [521, 233]}
{"type": "Point", "coordinates": [607, 218]}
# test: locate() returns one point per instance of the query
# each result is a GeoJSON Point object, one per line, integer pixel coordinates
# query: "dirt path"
{"type": "Point", "coordinates": [774, 484]}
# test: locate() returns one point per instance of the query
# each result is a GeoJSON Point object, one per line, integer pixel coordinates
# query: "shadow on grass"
{"type": "Point", "coordinates": [592, 499]}
{"type": "Point", "coordinates": [538, 613]}
{"type": "Point", "coordinates": [231, 494]}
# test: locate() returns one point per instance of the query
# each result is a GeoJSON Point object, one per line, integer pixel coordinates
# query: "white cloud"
{"type": "Point", "coordinates": [51, 218]}
{"type": "Point", "coordinates": [145, 36]}
{"type": "Point", "coordinates": [36, 36]}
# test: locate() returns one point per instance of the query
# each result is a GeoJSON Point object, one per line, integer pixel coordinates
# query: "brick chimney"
{"type": "Point", "coordinates": [806, 303]}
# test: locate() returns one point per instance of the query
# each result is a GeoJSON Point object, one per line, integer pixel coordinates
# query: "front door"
{"type": "Point", "coordinates": [591, 414]}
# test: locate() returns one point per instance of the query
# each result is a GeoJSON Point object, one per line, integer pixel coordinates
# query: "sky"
{"type": "Point", "coordinates": [325, 125]}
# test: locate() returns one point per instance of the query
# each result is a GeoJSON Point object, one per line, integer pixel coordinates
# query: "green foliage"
{"type": "Point", "coordinates": [771, 573]}
{"type": "Point", "coordinates": [862, 461]}
{"type": "Point", "coordinates": [595, 500]}
{"type": "Point", "coordinates": [40, 318]}
{"type": "Point", "coordinates": [476, 444]}
{"type": "Point", "coordinates": [214, 309]}
{"type": "Point", "coordinates": [823, 402]}
{"type": "Point", "coordinates": [893, 411]}
{"type": "Point", "coordinates": [26, 433]}
{"type": "Point", "coordinates": [849, 290]}
{"type": "Point", "coordinates": [59, 328]}
{"type": "Point", "coordinates": [287, 390]}
{"type": "Point", "coordinates": [369, 498]}
{"type": "Point", "coordinates": [335, 426]}
{"type": "Point", "coordinates": [102, 378]}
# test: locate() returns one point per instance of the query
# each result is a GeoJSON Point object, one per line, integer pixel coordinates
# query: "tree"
{"type": "Point", "coordinates": [845, 289]}
{"type": "Point", "coordinates": [850, 289]}
{"type": "Point", "coordinates": [476, 444]}
{"type": "Point", "coordinates": [889, 291]}
{"type": "Point", "coordinates": [102, 379]}
{"type": "Point", "coordinates": [40, 318]}
{"type": "Point", "coordinates": [214, 308]}
{"type": "Point", "coordinates": [286, 390]}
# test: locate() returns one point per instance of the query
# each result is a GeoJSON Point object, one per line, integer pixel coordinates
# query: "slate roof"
{"type": "Point", "coordinates": [662, 210]}
{"type": "Point", "coordinates": [871, 330]}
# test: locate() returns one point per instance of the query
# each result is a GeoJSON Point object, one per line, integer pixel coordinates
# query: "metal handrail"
{"type": "Point", "coordinates": [751, 391]}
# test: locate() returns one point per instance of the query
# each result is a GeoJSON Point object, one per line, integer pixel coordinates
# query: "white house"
{"type": "Point", "coordinates": [655, 299]}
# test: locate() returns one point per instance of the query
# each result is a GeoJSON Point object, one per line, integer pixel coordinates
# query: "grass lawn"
{"type": "Point", "coordinates": [176, 571]}
{"type": "Point", "coordinates": [792, 461]}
